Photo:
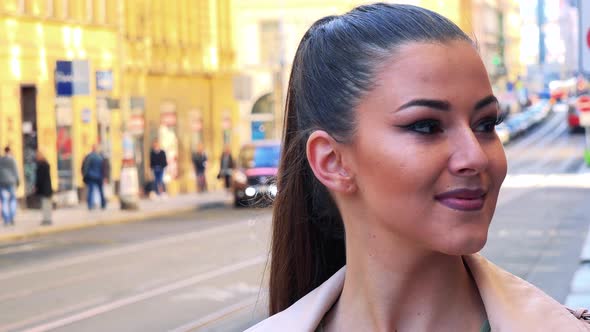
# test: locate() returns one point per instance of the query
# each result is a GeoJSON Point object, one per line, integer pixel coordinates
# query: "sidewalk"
{"type": "Point", "coordinates": [579, 296]}
{"type": "Point", "coordinates": [27, 222]}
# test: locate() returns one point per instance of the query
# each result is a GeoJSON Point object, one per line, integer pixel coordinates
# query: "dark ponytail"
{"type": "Point", "coordinates": [334, 67]}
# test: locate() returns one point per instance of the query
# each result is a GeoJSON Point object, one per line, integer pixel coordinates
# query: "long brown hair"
{"type": "Point", "coordinates": [334, 67]}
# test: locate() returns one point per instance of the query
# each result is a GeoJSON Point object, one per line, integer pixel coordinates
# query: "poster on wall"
{"type": "Point", "coordinates": [64, 116]}
{"type": "Point", "coordinates": [64, 158]}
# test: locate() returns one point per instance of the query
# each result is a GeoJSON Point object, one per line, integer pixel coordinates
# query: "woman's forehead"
{"type": "Point", "coordinates": [438, 66]}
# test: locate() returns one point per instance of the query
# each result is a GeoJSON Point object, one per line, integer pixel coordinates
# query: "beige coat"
{"type": "Point", "coordinates": [512, 304]}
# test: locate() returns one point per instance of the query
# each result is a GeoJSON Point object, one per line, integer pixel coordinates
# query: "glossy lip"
{"type": "Point", "coordinates": [463, 199]}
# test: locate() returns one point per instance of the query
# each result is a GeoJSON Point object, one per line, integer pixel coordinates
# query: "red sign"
{"type": "Point", "coordinates": [584, 104]}
{"type": "Point", "coordinates": [136, 124]}
{"type": "Point", "coordinates": [588, 38]}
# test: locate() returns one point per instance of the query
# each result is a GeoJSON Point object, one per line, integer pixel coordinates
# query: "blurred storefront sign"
{"type": "Point", "coordinates": [104, 80]}
{"type": "Point", "coordinates": [72, 78]}
{"type": "Point", "coordinates": [258, 130]}
{"type": "Point", "coordinates": [136, 124]}
{"type": "Point", "coordinates": [86, 115]}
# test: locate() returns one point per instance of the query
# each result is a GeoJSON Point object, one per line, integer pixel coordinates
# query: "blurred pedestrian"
{"type": "Point", "coordinates": [93, 175]}
{"type": "Point", "coordinates": [389, 177]}
{"type": "Point", "coordinates": [199, 158]}
{"type": "Point", "coordinates": [9, 181]}
{"type": "Point", "coordinates": [226, 167]}
{"type": "Point", "coordinates": [158, 164]}
{"type": "Point", "coordinates": [43, 187]}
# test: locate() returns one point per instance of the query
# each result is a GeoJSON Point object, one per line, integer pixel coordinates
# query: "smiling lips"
{"type": "Point", "coordinates": [463, 199]}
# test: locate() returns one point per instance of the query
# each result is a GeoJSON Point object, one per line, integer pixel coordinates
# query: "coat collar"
{"type": "Point", "coordinates": [511, 303]}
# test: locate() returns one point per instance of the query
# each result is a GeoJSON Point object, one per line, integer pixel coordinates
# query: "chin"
{"type": "Point", "coordinates": [466, 245]}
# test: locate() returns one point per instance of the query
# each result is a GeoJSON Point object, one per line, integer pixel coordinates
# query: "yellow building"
{"type": "Point", "coordinates": [178, 82]}
{"type": "Point", "coordinates": [35, 37]}
{"type": "Point", "coordinates": [267, 33]}
{"type": "Point", "coordinates": [81, 72]}
{"type": "Point", "coordinates": [494, 24]}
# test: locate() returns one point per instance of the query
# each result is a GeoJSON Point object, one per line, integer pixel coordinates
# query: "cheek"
{"type": "Point", "coordinates": [394, 172]}
{"type": "Point", "coordinates": [498, 164]}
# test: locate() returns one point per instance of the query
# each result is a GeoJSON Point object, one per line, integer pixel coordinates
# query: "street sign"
{"type": "Point", "coordinates": [104, 80]}
{"type": "Point", "coordinates": [583, 104]}
{"type": "Point", "coordinates": [64, 78]}
{"type": "Point", "coordinates": [72, 78]}
{"type": "Point", "coordinates": [584, 36]}
{"type": "Point", "coordinates": [86, 115]}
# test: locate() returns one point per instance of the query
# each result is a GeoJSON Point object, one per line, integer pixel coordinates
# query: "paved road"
{"type": "Point", "coordinates": [203, 271]}
{"type": "Point", "coordinates": [154, 276]}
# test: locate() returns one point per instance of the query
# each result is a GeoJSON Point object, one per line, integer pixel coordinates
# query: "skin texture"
{"type": "Point", "coordinates": [403, 245]}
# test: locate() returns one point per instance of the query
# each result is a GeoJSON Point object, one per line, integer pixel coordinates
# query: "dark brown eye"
{"type": "Point", "coordinates": [425, 127]}
{"type": "Point", "coordinates": [488, 125]}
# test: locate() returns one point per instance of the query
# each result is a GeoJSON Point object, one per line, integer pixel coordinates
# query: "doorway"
{"type": "Point", "coordinates": [28, 101]}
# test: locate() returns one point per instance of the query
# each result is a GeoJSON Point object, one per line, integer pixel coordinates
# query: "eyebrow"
{"type": "Point", "coordinates": [444, 105]}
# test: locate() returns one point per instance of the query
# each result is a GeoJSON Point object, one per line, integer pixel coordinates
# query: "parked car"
{"type": "Point", "coordinates": [254, 179]}
{"type": "Point", "coordinates": [519, 123]}
{"type": "Point", "coordinates": [573, 114]}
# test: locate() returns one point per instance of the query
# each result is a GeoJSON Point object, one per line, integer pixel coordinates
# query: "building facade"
{"type": "Point", "coordinates": [117, 73]}
{"type": "Point", "coordinates": [49, 98]}
{"type": "Point", "coordinates": [179, 83]}
{"type": "Point", "coordinates": [268, 32]}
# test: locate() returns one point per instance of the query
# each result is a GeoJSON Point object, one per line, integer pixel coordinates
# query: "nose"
{"type": "Point", "coordinates": [468, 157]}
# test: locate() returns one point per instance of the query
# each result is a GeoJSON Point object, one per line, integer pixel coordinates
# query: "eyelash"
{"type": "Point", "coordinates": [433, 126]}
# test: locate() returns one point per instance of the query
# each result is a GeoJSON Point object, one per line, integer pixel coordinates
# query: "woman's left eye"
{"type": "Point", "coordinates": [488, 125]}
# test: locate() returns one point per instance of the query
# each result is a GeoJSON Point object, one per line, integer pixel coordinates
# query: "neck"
{"type": "Point", "coordinates": [392, 286]}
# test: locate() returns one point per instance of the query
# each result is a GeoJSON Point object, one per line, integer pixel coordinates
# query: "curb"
{"type": "Point", "coordinates": [112, 221]}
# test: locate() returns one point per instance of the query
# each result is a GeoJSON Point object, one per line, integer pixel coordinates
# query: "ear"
{"type": "Point", "coordinates": [325, 159]}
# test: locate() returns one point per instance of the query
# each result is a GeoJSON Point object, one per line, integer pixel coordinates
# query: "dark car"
{"type": "Point", "coordinates": [254, 179]}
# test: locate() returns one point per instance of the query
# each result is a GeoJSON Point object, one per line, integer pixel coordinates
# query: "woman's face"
{"type": "Point", "coordinates": [426, 160]}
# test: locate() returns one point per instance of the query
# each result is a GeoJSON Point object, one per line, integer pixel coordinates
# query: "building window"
{"type": "Point", "coordinates": [270, 44]}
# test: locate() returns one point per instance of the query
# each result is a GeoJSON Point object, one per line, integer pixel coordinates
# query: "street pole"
{"type": "Point", "coordinates": [279, 76]}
